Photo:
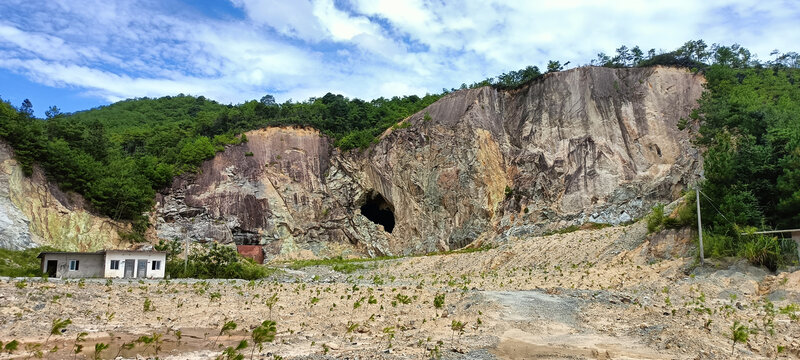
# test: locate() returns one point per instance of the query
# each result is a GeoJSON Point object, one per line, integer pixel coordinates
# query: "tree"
{"type": "Point", "coordinates": [268, 100]}
{"type": "Point", "coordinates": [52, 112]}
{"type": "Point", "coordinates": [636, 55]}
{"type": "Point", "coordinates": [26, 109]}
{"type": "Point", "coordinates": [601, 60]}
{"type": "Point", "coordinates": [695, 50]}
{"type": "Point", "coordinates": [96, 143]}
{"type": "Point", "coordinates": [555, 66]}
{"type": "Point", "coordinates": [623, 57]}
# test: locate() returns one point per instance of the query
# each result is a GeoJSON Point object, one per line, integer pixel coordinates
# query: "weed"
{"type": "Point", "coordinates": [233, 353]}
{"type": "Point", "coordinates": [790, 310]}
{"type": "Point", "coordinates": [403, 299]}
{"type": "Point", "coordinates": [148, 305]}
{"type": "Point", "coordinates": [739, 334]}
{"type": "Point", "coordinates": [457, 327]}
{"type": "Point", "coordinates": [263, 333]}
{"type": "Point", "coordinates": [98, 349]}
{"type": "Point", "coordinates": [77, 347]}
{"type": "Point", "coordinates": [389, 331]}
{"type": "Point", "coordinates": [11, 346]}
{"type": "Point", "coordinates": [22, 263]}
{"type": "Point", "coordinates": [438, 302]}
{"type": "Point", "coordinates": [226, 329]}
{"type": "Point", "coordinates": [270, 302]}
{"type": "Point", "coordinates": [351, 326]}
{"type": "Point", "coordinates": [377, 280]}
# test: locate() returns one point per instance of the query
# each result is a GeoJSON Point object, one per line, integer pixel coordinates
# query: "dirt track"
{"type": "Point", "coordinates": [590, 294]}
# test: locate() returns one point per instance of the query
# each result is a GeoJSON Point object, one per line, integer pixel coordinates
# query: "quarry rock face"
{"type": "Point", "coordinates": [35, 212]}
{"type": "Point", "coordinates": [276, 190]}
{"type": "Point", "coordinates": [584, 145]}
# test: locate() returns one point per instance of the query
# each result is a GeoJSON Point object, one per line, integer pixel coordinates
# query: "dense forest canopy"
{"type": "Point", "coordinates": [117, 156]}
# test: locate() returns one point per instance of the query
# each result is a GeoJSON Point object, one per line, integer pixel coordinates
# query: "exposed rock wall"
{"type": "Point", "coordinates": [35, 212]}
{"type": "Point", "coordinates": [272, 191]}
{"type": "Point", "coordinates": [588, 144]}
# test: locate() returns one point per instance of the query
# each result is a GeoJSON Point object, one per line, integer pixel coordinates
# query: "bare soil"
{"type": "Point", "coordinates": [597, 294]}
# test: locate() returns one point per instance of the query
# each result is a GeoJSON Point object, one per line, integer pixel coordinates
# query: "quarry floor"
{"type": "Point", "coordinates": [593, 294]}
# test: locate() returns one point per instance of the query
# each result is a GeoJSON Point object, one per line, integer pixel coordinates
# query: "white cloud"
{"type": "Point", "coordinates": [366, 48]}
{"type": "Point", "coordinates": [292, 18]}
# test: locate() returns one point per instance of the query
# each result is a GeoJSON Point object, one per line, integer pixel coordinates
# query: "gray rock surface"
{"type": "Point", "coordinates": [34, 212]}
{"type": "Point", "coordinates": [14, 233]}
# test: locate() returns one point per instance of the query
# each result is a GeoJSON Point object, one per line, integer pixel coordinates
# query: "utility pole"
{"type": "Point", "coordinates": [700, 225]}
{"type": "Point", "coordinates": [186, 255]}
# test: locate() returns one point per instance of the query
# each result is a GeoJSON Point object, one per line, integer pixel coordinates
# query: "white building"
{"type": "Point", "coordinates": [105, 263]}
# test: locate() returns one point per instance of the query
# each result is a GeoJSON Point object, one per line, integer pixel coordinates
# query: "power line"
{"type": "Point", "coordinates": [715, 207]}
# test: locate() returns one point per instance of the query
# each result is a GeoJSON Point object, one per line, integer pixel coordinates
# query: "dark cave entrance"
{"type": "Point", "coordinates": [379, 211]}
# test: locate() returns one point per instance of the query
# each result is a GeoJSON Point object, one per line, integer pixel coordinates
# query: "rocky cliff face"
{"type": "Point", "coordinates": [275, 190]}
{"type": "Point", "coordinates": [35, 212]}
{"type": "Point", "coordinates": [584, 145]}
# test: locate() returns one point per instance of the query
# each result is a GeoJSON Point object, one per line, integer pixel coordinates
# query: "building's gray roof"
{"type": "Point", "coordinates": [99, 252]}
{"type": "Point", "coordinates": [775, 231]}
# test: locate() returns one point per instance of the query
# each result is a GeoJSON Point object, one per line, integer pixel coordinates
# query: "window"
{"type": "Point", "coordinates": [74, 265]}
{"type": "Point", "coordinates": [114, 265]}
{"type": "Point", "coordinates": [156, 265]}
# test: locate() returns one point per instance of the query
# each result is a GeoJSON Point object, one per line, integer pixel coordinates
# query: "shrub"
{"type": "Point", "coordinates": [685, 215]}
{"type": "Point", "coordinates": [216, 262]}
{"type": "Point", "coordinates": [655, 219]}
{"type": "Point", "coordinates": [761, 250]}
{"type": "Point", "coordinates": [718, 245]}
{"type": "Point", "coordinates": [758, 249]}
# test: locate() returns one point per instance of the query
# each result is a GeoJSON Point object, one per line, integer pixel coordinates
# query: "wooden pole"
{"type": "Point", "coordinates": [700, 226]}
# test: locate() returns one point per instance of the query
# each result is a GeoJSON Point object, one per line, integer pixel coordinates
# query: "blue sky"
{"type": "Point", "coordinates": [82, 54]}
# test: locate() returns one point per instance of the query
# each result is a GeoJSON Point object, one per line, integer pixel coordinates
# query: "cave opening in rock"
{"type": "Point", "coordinates": [379, 211]}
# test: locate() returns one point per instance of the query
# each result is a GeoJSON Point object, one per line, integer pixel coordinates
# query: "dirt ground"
{"type": "Point", "coordinates": [613, 293]}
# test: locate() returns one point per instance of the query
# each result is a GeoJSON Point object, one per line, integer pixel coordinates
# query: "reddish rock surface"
{"type": "Point", "coordinates": [255, 252]}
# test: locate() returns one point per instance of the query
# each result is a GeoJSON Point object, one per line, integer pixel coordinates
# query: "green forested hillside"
{"type": "Point", "coordinates": [119, 155]}
{"type": "Point", "coordinates": [750, 128]}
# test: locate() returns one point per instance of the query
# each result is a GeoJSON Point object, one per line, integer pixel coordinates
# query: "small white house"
{"type": "Point", "coordinates": [105, 264]}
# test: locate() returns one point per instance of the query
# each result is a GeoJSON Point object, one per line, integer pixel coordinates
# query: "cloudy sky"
{"type": "Point", "coordinates": [79, 54]}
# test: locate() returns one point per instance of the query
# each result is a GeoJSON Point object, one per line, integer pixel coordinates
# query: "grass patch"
{"type": "Point", "coordinates": [338, 263]}
{"type": "Point", "coordinates": [22, 263]}
{"type": "Point", "coordinates": [348, 266]}
{"type": "Point", "coordinates": [460, 251]}
{"type": "Point", "coordinates": [574, 228]}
